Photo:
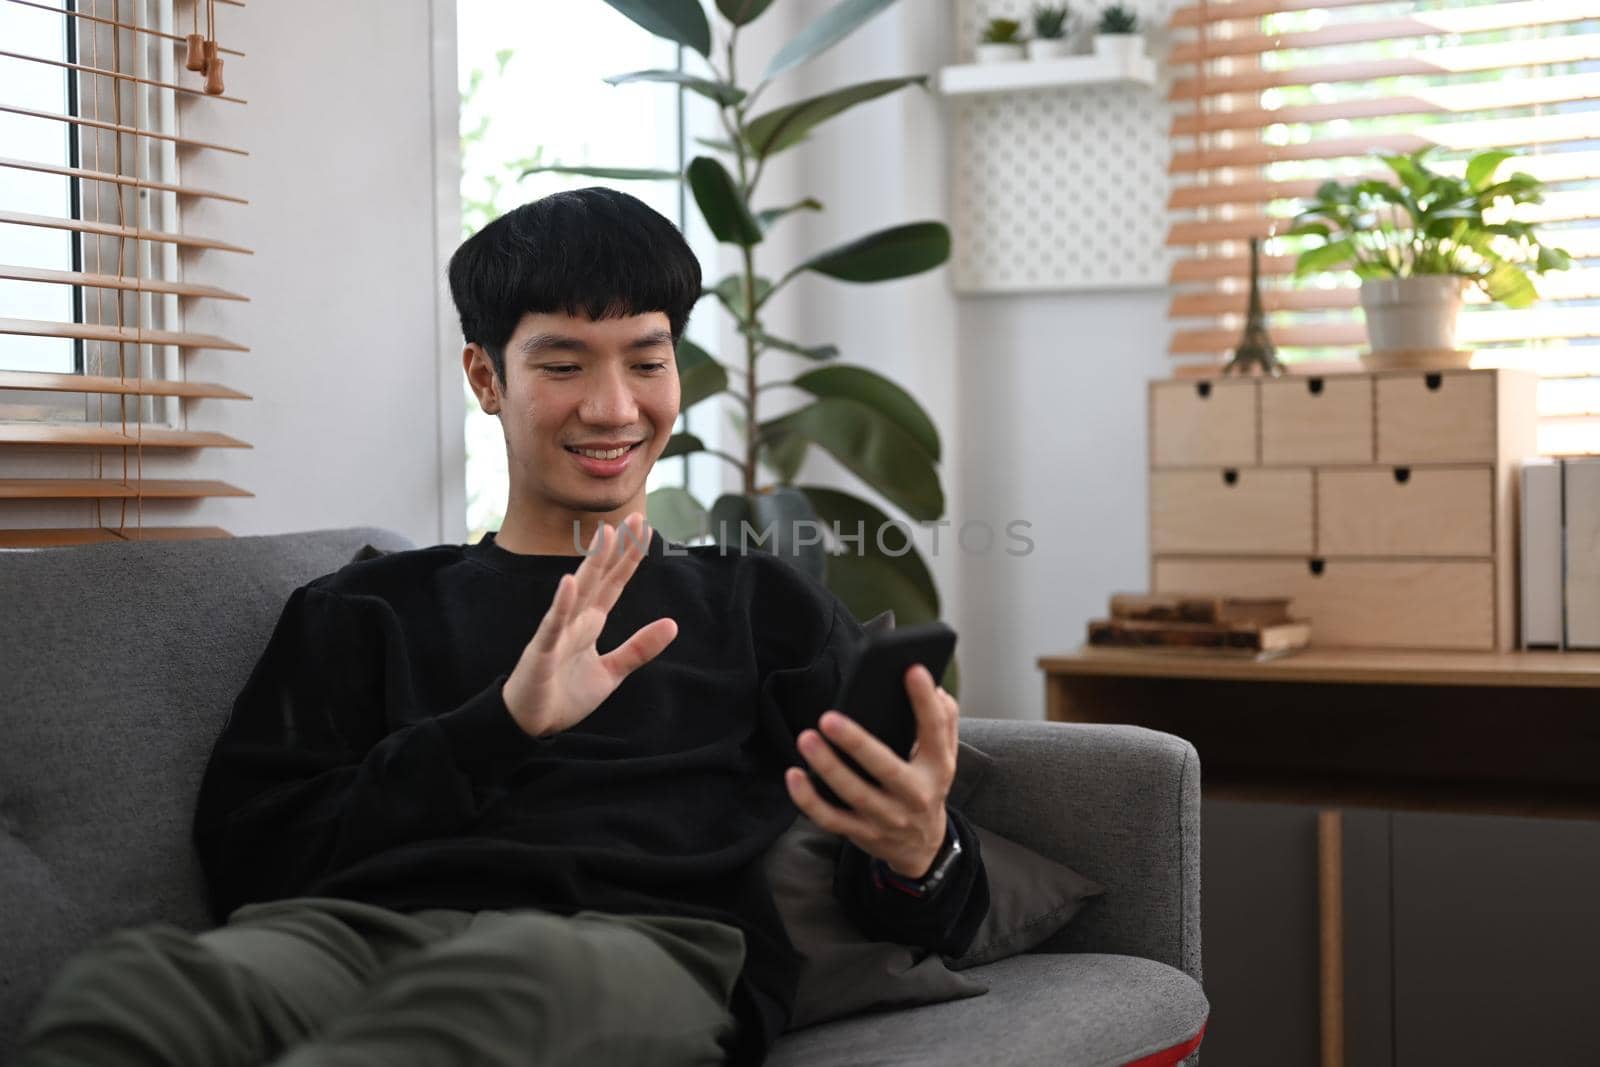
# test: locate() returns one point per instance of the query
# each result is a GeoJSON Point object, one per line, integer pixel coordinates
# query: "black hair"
{"type": "Point", "coordinates": [595, 250]}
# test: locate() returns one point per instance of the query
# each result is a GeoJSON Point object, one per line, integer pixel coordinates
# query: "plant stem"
{"type": "Point", "coordinates": [751, 323]}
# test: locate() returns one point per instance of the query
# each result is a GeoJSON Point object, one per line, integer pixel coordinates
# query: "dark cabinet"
{"type": "Point", "coordinates": [1466, 940]}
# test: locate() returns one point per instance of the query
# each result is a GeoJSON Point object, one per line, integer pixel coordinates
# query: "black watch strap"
{"type": "Point", "coordinates": [937, 875]}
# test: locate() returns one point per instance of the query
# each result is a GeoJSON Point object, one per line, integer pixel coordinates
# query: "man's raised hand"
{"type": "Point", "coordinates": [561, 678]}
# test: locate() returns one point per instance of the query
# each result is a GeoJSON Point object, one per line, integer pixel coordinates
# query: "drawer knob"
{"type": "Point", "coordinates": [1317, 566]}
{"type": "Point", "coordinates": [1402, 475]}
{"type": "Point", "coordinates": [1433, 382]}
{"type": "Point", "coordinates": [1314, 385]}
{"type": "Point", "coordinates": [1203, 388]}
{"type": "Point", "coordinates": [1230, 476]}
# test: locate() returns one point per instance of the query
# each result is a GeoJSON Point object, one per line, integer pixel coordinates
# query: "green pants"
{"type": "Point", "coordinates": [319, 982]}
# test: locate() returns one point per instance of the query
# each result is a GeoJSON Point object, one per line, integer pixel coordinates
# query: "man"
{"type": "Point", "coordinates": [506, 803]}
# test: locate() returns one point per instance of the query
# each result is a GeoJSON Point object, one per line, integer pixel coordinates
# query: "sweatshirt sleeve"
{"type": "Point", "coordinates": [325, 760]}
{"type": "Point", "coordinates": [945, 921]}
{"type": "Point", "coordinates": [821, 639]}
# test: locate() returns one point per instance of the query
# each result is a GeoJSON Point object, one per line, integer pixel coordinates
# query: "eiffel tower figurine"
{"type": "Point", "coordinates": [1255, 347]}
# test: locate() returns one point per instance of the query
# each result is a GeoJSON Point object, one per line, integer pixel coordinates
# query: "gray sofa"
{"type": "Point", "coordinates": [118, 664]}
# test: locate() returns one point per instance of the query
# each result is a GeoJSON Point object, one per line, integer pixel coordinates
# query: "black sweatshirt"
{"type": "Point", "coordinates": [371, 757]}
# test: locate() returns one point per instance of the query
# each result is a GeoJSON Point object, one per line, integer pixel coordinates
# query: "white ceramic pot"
{"type": "Point", "coordinates": [1119, 46]}
{"type": "Point", "coordinates": [1000, 53]}
{"type": "Point", "coordinates": [1412, 321]}
{"type": "Point", "coordinates": [1055, 48]}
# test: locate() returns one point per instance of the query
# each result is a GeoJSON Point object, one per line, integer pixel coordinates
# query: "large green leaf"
{"type": "Point", "coordinates": [699, 375]}
{"type": "Point", "coordinates": [681, 21]}
{"type": "Point", "coordinates": [1325, 257]}
{"type": "Point", "coordinates": [768, 216]}
{"type": "Point", "coordinates": [728, 511]}
{"type": "Point", "coordinates": [1553, 259]}
{"type": "Point", "coordinates": [1408, 170]}
{"type": "Point", "coordinates": [676, 513]}
{"type": "Point", "coordinates": [897, 252]}
{"type": "Point", "coordinates": [868, 586]}
{"type": "Point", "coordinates": [794, 527]}
{"type": "Point", "coordinates": [875, 448]}
{"type": "Point", "coordinates": [721, 92]}
{"type": "Point", "coordinates": [771, 515]}
{"type": "Point", "coordinates": [817, 352]}
{"type": "Point", "coordinates": [730, 291]}
{"type": "Point", "coordinates": [785, 126]}
{"type": "Point", "coordinates": [681, 444]}
{"type": "Point", "coordinates": [742, 12]}
{"type": "Point", "coordinates": [1507, 283]}
{"type": "Point", "coordinates": [822, 33]}
{"type": "Point", "coordinates": [721, 203]}
{"type": "Point", "coordinates": [615, 173]}
{"type": "Point", "coordinates": [879, 393]}
{"type": "Point", "coordinates": [783, 453]}
{"type": "Point", "coordinates": [850, 514]}
{"type": "Point", "coordinates": [1481, 167]}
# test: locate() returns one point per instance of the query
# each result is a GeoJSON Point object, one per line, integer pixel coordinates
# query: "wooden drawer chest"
{"type": "Point", "coordinates": [1384, 503]}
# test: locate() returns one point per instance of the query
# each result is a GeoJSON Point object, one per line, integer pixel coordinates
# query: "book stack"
{"type": "Point", "coordinates": [1248, 627]}
{"type": "Point", "coordinates": [1561, 553]}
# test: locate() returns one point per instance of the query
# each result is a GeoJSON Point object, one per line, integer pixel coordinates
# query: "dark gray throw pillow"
{"type": "Point", "coordinates": [1030, 898]}
{"type": "Point", "coordinates": [844, 972]}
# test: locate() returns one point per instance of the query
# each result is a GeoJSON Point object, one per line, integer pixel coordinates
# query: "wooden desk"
{"type": "Point", "coordinates": [1474, 733]}
{"type": "Point", "coordinates": [1513, 733]}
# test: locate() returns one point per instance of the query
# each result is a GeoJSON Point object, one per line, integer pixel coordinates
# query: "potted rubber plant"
{"type": "Point", "coordinates": [1418, 241]}
{"type": "Point", "coordinates": [1049, 40]}
{"type": "Point", "coordinates": [1001, 41]}
{"type": "Point", "coordinates": [1116, 35]}
{"type": "Point", "coordinates": [873, 427]}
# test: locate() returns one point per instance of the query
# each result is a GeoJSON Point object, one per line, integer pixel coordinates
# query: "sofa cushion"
{"type": "Point", "coordinates": [1056, 1009]}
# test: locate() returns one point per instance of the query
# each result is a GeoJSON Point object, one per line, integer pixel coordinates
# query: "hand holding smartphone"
{"type": "Point", "coordinates": [874, 692]}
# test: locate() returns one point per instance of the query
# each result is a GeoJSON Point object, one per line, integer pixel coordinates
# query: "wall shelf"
{"type": "Point", "coordinates": [971, 79]}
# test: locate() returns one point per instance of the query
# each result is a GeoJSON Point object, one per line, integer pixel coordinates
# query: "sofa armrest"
{"type": "Point", "coordinates": [1120, 804]}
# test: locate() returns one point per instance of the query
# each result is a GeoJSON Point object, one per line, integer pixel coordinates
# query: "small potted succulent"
{"type": "Point", "coordinates": [1418, 242]}
{"type": "Point", "coordinates": [1049, 40]}
{"type": "Point", "coordinates": [1117, 34]}
{"type": "Point", "coordinates": [1002, 41]}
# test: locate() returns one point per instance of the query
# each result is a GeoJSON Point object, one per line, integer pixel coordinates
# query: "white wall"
{"type": "Point", "coordinates": [345, 360]}
{"type": "Point", "coordinates": [345, 365]}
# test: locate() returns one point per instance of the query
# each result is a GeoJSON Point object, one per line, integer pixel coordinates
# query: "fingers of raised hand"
{"type": "Point", "coordinates": [631, 545]}
{"type": "Point", "coordinates": [645, 645]}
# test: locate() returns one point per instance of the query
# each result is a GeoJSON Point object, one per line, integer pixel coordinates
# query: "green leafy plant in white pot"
{"type": "Point", "coordinates": [1419, 241]}
{"type": "Point", "coordinates": [1117, 35]}
{"type": "Point", "coordinates": [1001, 42]}
{"type": "Point", "coordinates": [1049, 40]}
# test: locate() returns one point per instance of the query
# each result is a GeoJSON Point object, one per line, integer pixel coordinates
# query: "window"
{"type": "Point", "coordinates": [1282, 96]}
{"type": "Point", "coordinates": [544, 100]}
{"type": "Point", "coordinates": [97, 268]}
{"type": "Point", "coordinates": [38, 87]}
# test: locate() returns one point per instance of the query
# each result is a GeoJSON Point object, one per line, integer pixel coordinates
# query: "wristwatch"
{"type": "Point", "coordinates": [937, 875]}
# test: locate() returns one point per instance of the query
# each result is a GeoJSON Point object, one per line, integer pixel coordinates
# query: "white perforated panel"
{"type": "Point", "coordinates": [1060, 188]}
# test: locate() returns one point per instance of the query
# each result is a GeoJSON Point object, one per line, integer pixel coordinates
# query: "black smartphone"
{"type": "Point", "coordinates": [874, 692]}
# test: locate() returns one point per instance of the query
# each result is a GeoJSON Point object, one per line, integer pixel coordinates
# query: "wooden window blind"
{"type": "Point", "coordinates": [98, 268]}
{"type": "Point", "coordinates": [1273, 97]}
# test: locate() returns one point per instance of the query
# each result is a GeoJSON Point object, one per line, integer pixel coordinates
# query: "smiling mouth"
{"type": "Point", "coordinates": [603, 455]}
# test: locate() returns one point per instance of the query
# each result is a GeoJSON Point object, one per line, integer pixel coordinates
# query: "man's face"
{"type": "Point", "coordinates": [575, 383]}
